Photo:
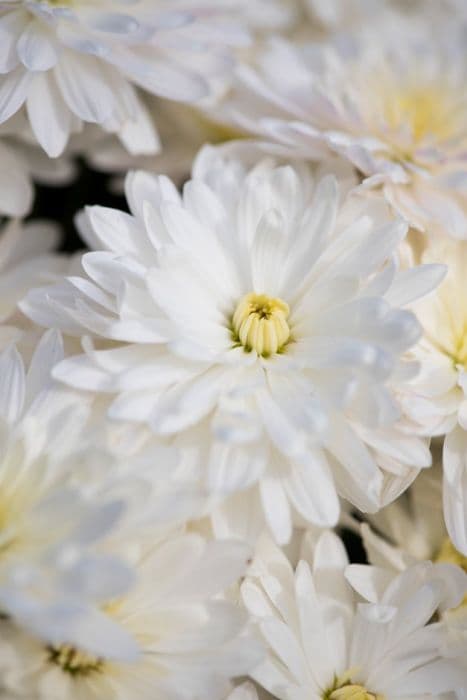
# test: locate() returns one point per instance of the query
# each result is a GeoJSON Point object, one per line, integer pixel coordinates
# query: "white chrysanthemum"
{"type": "Point", "coordinates": [323, 644]}
{"type": "Point", "coordinates": [391, 98]}
{"type": "Point", "coordinates": [257, 319]}
{"type": "Point", "coordinates": [437, 399]}
{"type": "Point", "coordinates": [412, 530]}
{"type": "Point", "coordinates": [49, 576]}
{"type": "Point", "coordinates": [74, 62]}
{"type": "Point", "coordinates": [191, 642]}
{"type": "Point", "coordinates": [442, 350]}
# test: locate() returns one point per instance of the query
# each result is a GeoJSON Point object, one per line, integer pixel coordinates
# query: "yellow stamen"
{"type": "Point", "coordinates": [260, 323]}
{"type": "Point", "coordinates": [353, 692]}
{"type": "Point", "coordinates": [344, 689]}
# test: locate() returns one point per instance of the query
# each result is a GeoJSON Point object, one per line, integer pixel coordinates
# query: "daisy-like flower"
{"type": "Point", "coordinates": [191, 642]}
{"type": "Point", "coordinates": [50, 575]}
{"type": "Point", "coordinates": [440, 403]}
{"type": "Point", "coordinates": [323, 644]}
{"type": "Point", "coordinates": [437, 398]}
{"type": "Point", "coordinates": [69, 63]}
{"type": "Point", "coordinates": [390, 98]}
{"type": "Point", "coordinates": [413, 530]}
{"type": "Point", "coordinates": [255, 319]}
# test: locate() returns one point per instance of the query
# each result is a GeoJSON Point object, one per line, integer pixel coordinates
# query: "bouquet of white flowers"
{"type": "Point", "coordinates": [233, 350]}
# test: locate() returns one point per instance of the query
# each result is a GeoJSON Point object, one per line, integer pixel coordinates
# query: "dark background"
{"type": "Point", "coordinates": [60, 204]}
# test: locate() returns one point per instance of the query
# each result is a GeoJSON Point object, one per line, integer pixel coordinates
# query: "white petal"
{"type": "Point", "coordinates": [50, 118]}
{"type": "Point", "coordinates": [37, 48]}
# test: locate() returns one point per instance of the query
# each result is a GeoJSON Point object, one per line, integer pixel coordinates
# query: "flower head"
{"type": "Point", "coordinates": [323, 644]}
{"type": "Point", "coordinates": [390, 97]}
{"type": "Point", "coordinates": [74, 62]}
{"type": "Point", "coordinates": [50, 526]}
{"type": "Point", "coordinates": [252, 318]}
{"type": "Point", "coordinates": [189, 641]}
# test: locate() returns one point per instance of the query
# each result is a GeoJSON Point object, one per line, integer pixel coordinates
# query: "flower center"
{"type": "Point", "coordinates": [425, 109]}
{"type": "Point", "coordinates": [260, 323]}
{"type": "Point", "coordinates": [344, 689]}
{"type": "Point", "coordinates": [73, 661]}
{"type": "Point", "coordinates": [353, 692]}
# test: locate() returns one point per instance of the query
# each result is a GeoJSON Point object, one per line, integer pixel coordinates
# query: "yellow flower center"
{"type": "Point", "coordinates": [426, 110]}
{"type": "Point", "coordinates": [260, 323]}
{"type": "Point", "coordinates": [74, 661]}
{"type": "Point", "coordinates": [344, 689]}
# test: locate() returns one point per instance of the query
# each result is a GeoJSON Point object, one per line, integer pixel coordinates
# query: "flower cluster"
{"type": "Point", "coordinates": [233, 391]}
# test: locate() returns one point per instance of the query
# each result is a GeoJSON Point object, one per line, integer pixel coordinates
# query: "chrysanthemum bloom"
{"type": "Point", "coordinates": [257, 319]}
{"type": "Point", "coordinates": [323, 644]}
{"type": "Point", "coordinates": [437, 398]}
{"type": "Point", "coordinates": [391, 98]}
{"type": "Point", "coordinates": [413, 530]}
{"type": "Point", "coordinates": [191, 642]}
{"type": "Point", "coordinates": [50, 573]}
{"type": "Point", "coordinates": [73, 62]}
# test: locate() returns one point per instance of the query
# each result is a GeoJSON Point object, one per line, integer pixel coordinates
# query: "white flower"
{"type": "Point", "coordinates": [323, 644]}
{"type": "Point", "coordinates": [50, 575]}
{"type": "Point", "coordinates": [73, 62]}
{"type": "Point", "coordinates": [440, 402]}
{"type": "Point", "coordinates": [437, 399]}
{"type": "Point", "coordinates": [191, 641]}
{"type": "Point", "coordinates": [255, 323]}
{"type": "Point", "coordinates": [390, 97]}
{"type": "Point", "coordinates": [412, 530]}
